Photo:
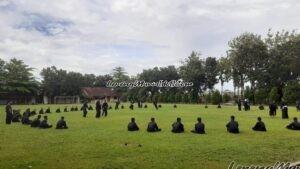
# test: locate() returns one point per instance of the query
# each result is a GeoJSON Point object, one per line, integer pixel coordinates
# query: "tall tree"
{"type": "Point", "coordinates": [193, 70]}
{"type": "Point", "coordinates": [224, 71]}
{"type": "Point", "coordinates": [211, 72]}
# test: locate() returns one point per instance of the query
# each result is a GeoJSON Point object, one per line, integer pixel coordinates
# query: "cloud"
{"type": "Point", "coordinates": [94, 36]}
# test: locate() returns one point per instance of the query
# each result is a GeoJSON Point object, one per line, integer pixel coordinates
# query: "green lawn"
{"type": "Point", "coordinates": [99, 143]}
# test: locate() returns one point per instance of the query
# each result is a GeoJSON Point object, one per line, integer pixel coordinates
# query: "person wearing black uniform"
{"type": "Point", "coordinates": [152, 126]}
{"type": "Point", "coordinates": [177, 127]}
{"type": "Point", "coordinates": [104, 108]}
{"type": "Point", "coordinates": [199, 127]}
{"type": "Point", "coordinates": [61, 124]}
{"type": "Point", "coordinates": [295, 125]}
{"type": "Point", "coordinates": [232, 126]}
{"type": "Point", "coordinates": [272, 109]}
{"type": "Point", "coordinates": [36, 122]}
{"type": "Point", "coordinates": [239, 103]}
{"type": "Point", "coordinates": [132, 126]}
{"type": "Point", "coordinates": [44, 124]}
{"type": "Point", "coordinates": [85, 109]}
{"type": "Point", "coordinates": [117, 104]}
{"type": "Point", "coordinates": [259, 126]}
{"type": "Point", "coordinates": [25, 117]}
{"type": "Point", "coordinates": [284, 111]}
{"type": "Point", "coordinates": [9, 113]}
{"type": "Point", "coordinates": [98, 109]}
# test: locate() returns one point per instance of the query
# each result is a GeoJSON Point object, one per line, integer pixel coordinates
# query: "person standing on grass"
{"type": "Point", "coordinates": [104, 108]}
{"type": "Point", "coordinates": [117, 104]}
{"type": "Point", "coordinates": [272, 109]}
{"type": "Point", "coordinates": [177, 127]}
{"type": "Point", "coordinates": [98, 109]}
{"type": "Point", "coordinates": [132, 126]}
{"type": "Point", "coordinates": [85, 109]}
{"type": "Point", "coordinates": [232, 126]}
{"type": "Point", "coordinates": [9, 113]}
{"type": "Point", "coordinates": [199, 127]}
{"type": "Point", "coordinates": [259, 126]}
{"type": "Point", "coordinates": [239, 103]}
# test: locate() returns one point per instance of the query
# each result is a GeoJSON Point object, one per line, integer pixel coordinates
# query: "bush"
{"type": "Point", "coordinates": [216, 97]}
{"type": "Point", "coordinates": [260, 96]}
{"type": "Point", "coordinates": [226, 97]}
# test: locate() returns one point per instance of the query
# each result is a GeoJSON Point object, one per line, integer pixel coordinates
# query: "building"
{"type": "Point", "coordinates": [94, 93]}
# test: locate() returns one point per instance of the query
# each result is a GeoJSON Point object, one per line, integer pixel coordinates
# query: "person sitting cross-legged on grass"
{"type": "Point", "coordinates": [259, 126]}
{"type": "Point", "coordinates": [152, 126]}
{"type": "Point", "coordinates": [44, 124]}
{"type": "Point", "coordinates": [36, 122]}
{"type": "Point", "coordinates": [177, 127]}
{"type": "Point", "coordinates": [232, 126]}
{"type": "Point", "coordinates": [199, 127]}
{"type": "Point", "coordinates": [132, 126]}
{"type": "Point", "coordinates": [295, 125]}
{"type": "Point", "coordinates": [61, 124]}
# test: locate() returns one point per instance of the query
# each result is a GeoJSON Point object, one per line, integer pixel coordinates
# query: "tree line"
{"type": "Point", "coordinates": [261, 69]}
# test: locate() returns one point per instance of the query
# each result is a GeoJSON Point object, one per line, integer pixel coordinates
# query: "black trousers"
{"type": "Point", "coordinates": [98, 113]}
{"type": "Point", "coordinates": [104, 113]}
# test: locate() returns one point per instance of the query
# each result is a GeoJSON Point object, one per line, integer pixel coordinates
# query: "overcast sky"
{"type": "Point", "coordinates": [94, 36]}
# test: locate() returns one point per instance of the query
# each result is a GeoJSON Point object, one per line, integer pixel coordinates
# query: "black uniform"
{"type": "Point", "coordinates": [259, 126]}
{"type": "Point", "coordinates": [233, 127]}
{"type": "Point", "coordinates": [239, 103]}
{"type": "Point", "coordinates": [132, 126]}
{"type": "Point", "coordinates": [36, 122]}
{"type": "Point", "coordinates": [61, 124]}
{"type": "Point", "coordinates": [104, 109]}
{"type": "Point", "coordinates": [284, 111]}
{"type": "Point", "coordinates": [272, 109]}
{"type": "Point", "coordinates": [98, 109]}
{"type": "Point", "coordinates": [295, 125]}
{"type": "Point", "coordinates": [177, 127]}
{"type": "Point", "coordinates": [84, 109]}
{"type": "Point", "coordinates": [9, 114]}
{"type": "Point", "coordinates": [44, 124]}
{"type": "Point", "coordinates": [117, 104]}
{"type": "Point", "coordinates": [199, 128]}
{"type": "Point", "coordinates": [152, 127]}
{"type": "Point", "coordinates": [25, 117]}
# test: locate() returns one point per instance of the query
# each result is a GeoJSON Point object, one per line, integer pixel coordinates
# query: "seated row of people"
{"type": "Point", "coordinates": [37, 122]}
{"type": "Point", "coordinates": [232, 126]}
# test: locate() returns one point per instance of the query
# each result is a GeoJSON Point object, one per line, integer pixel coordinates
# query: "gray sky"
{"type": "Point", "coordinates": [94, 36]}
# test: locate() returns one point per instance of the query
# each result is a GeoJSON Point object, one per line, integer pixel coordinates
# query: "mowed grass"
{"type": "Point", "coordinates": [99, 143]}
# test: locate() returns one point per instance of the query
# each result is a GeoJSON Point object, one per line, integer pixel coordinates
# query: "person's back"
{"type": "Point", "coordinates": [199, 127]}
{"type": "Point", "coordinates": [44, 124]}
{"type": "Point", "coordinates": [295, 125]}
{"type": "Point", "coordinates": [36, 122]}
{"type": "Point", "coordinates": [25, 117]}
{"type": "Point", "coordinates": [132, 126]}
{"type": "Point", "coordinates": [233, 126]}
{"type": "Point", "coordinates": [61, 124]}
{"type": "Point", "coordinates": [259, 126]}
{"type": "Point", "coordinates": [152, 126]}
{"type": "Point", "coordinates": [177, 127]}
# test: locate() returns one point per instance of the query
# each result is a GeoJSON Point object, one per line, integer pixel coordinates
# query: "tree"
{"type": "Point", "coordinates": [292, 92]}
{"type": "Point", "coordinates": [192, 70]}
{"type": "Point", "coordinates": [216, 97]}
{"type": "Point", "coordinates": [211, 72]}
{"type": "Point", "coordinates": [249, 57]}
{"type": "Point", "coordinates": [119, 74]}
{"type": "Point", "coordinates": [224, 71]}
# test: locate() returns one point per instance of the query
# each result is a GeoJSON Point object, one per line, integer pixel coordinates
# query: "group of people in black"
{"type": "Point", "coordinates": [232, 126]}
{"type": "Point", "coordinates": [15, 116]}
{"type": "Point", "coordinates": [101, 108]}
{"type": "Point", "coordinates": [246, 104]}
{"type": "Point", "coordinates": [273, 110]}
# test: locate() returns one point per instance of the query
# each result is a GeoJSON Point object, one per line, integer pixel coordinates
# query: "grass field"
{"type": "Point", "coordinates": [99, 143]}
